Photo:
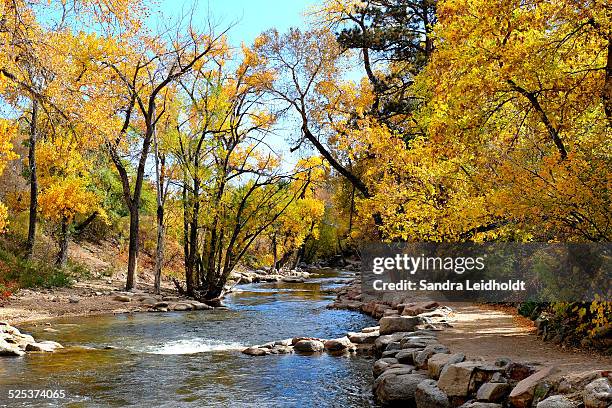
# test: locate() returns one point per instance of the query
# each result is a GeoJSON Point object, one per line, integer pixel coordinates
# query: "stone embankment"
{"type": "Point", "coordinates": [14, 343]}
{"type": "Point", "coordinates": [414, 369]}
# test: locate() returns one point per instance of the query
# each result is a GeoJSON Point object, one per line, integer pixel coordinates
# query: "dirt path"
{"type": "Point", "coordinates": [491, 333]}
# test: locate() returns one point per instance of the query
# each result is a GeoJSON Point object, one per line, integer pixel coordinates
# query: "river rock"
{"type": "Point", "coordinates": [339, 344]}
{"type": "Point", "coordinates": [437, 362]}
{"type": "Point", "coordinates": [122, 298]}
{"type": "Point", "coordinates": [50, 330]}
{"type": "Point", "coordinates": [382, 342]}
{"type": "Point", "coordinates": [492, 392]}
{"type": "Point", "coordinates": [309, 346]}
{"type": "Point", "coordinates": [182, 307]}
{"type": "Point", "coordinates": [10, 350]}
{"type": "Point", "coordinates": [361, 338]}
{"type": "Point", "coordinates": [598, 394]}
{"type": "Point", "coordinates": [370, 329]}
{"type": "Point", "coordinates": [382, 364]}
{"type": "Point", "coordinates": [522, 395]}
{"type": "Point", "coordinates": [455, 378]}
{"type": "Point", "coordinates": [428, 395]}
{"type": "Point", "coordinates": [73, 299]}
{"type": "Point", "coordinates": [420, 358]}
{"type": "Point", "coordinates": [49, 348]}
{"type": "Point", "coordinates": [394, 324]}
{"type": "Point", "coordinates": [418, 308]}
{"type": "Point", "coordinates": [556, 401]}
{"type": "Point", "coordinates": [476, 404]}
{"type": "Point", "coordinates": [417, 341]}
{"type": "Point", "coordinates": [199, 305]}
{"type": "Point", "coordinates": [393, 387]}
{"type": "Point", "coordinates": [406, 356]}
{"type": "Point", "coordinates": [255, 351]}
{"type": "Point", "coordinates": [148, 301]}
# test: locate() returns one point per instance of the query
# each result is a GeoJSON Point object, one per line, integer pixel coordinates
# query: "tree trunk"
{"type": "Point", "coordinates": [160, 169]}
{"type": "Point", "coordinates": [274, 252]}
{"type": "Point", "coordinates": [607, 92]}
{"type": "Point", "coordinates": [63, 238]}
{"type": "Point", "coordinates": [159, 252]}
{"type": "Point", "coordinates": [33, 182]}
{"type": "Point", "coordinates": [133, 247]}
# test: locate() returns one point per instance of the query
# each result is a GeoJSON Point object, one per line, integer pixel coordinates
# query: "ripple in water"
{"type": "Point", "coordinates": [193, 346]}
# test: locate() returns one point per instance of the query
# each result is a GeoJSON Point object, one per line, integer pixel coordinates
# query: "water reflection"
{"type": "Point", "coordinates": [192, 359]}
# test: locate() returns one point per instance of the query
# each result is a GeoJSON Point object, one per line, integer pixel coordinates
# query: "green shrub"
{"type": "Point", "coordinates": [16, 272]}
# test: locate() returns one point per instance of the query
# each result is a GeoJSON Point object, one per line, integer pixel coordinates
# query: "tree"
{"type": "Point", "coordinates": [37, 64]}
{"type": "Point", "coordinates": [229, 169]}
{"type": "Point", "coordinates": [64, 188]}
{"type": "Point", "coordinates": [302, 62]}
{"type": "Point", "coordinates": [7, 133]}
{"type": "Point", "coordinates": [395, 41]}
{"type": "Point", "coordinates": [146, 76]}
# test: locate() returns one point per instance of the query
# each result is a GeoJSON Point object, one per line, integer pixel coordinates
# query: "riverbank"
{"type": "Point", "coordinates": [108, 296]}
{"type": "Point", "coordinates": [476, 356]}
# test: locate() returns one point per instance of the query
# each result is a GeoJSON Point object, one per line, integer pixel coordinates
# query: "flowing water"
{"type": "Point", "coordinates": [181, 359]}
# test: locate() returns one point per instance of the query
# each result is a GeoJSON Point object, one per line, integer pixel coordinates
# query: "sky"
{"type": "Point", "coordinates": [251, 17]}
{"type": "Point", "coordinates": [248, 19]}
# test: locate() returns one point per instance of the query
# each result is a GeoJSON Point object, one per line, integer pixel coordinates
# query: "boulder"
{"type": "Point", "coordinates": [522, 395]}
{"type": "Point", "coordinates": [394, 387]}
{"type": "Point", "coordinates": [394, 324]}
{"type": "Point", "coordinates": [476, 404]}
{"type": "Point", "coordinates": [390, 353]}
{"type": "Point", "coordinates": [341, 343]}
{"type": "Point", "coordinates": [492, 392]}
{"type": "Point", "coordinates": [200, 306]}
{"type": "Point", "coordinates": [455, 378]}
{"type": "Point", "coordinates": [182, 307]}
{"type": "Point", "coordinates": [556, 401]}
{"type": "Point", "coordinates": [159, 305]}
{"type": "Point", "coordinates": [436, 363]}
{"type": "Point", "coordinates": [255, 351]}
{"type": "Point", "coordinates": [597, 394]}
{"type": "Point", "coordinates": [428, 395]}
{"type": "Point", "coordinates": [370, 329]}
{"type": "Point", "coordinates": [148, 301]}
{"type": "Point", "coordinates": [49, 348]}
{"type": "Point", "coordinates": [417, 341]}
{"type": "Point", "coordinates": [518, 371]}
{"type": "Point", "coordinates": [9, 350]}
{"type": "Point", "coordinates": [361, 338]}
{"type": "Point", "coordinates": [406, 356]}
{"type": "Point", "coordinates": [420, 358]}
{"type": "Point", "coordinates": [122, 298]}
{"type": "Point", "coordinates": [382, 364]}
{"type": "Point", "coordinates": [309, 346]}
{"type": "Point", "coordinates": [382, 341]}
